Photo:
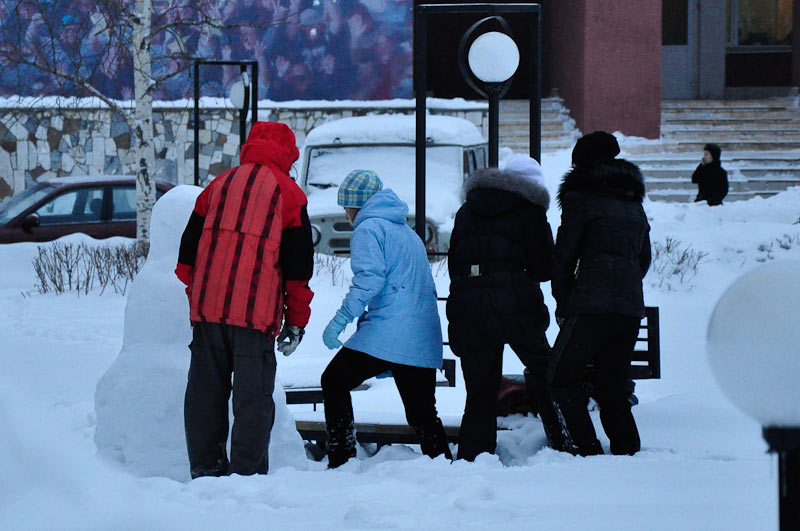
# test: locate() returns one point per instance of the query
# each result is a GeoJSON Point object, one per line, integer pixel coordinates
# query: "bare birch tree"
{"type": "Point", "coordinates": [78, 43]}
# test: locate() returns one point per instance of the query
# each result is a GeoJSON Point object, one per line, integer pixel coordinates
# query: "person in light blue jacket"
{"type": "Point", "coordinates": [394, 299]}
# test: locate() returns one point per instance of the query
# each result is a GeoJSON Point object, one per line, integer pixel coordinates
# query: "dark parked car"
{"type": "Point", "coordinates": [100, 206]}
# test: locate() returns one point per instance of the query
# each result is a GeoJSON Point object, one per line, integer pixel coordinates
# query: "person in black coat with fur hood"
{"type": "Point", "coordinates": [602, 253]}
{"type": "Point", "coordinates": [500, 250]}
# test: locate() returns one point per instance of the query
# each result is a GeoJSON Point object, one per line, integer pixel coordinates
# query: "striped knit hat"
{"type": "Point", "coordinates": [358, 187]}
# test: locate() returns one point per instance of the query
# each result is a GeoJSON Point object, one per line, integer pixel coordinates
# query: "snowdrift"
{"type": "Point", "coordinates": [139, 400]}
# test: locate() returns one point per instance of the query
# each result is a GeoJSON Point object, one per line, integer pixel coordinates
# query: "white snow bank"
{"type": "Point", "coordinates": [139, 400]}
{"type": "Point", "coordinates": [753, 343]}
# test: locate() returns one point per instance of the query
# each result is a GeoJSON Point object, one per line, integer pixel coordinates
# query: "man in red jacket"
{"type": "Point", "coordinates": [246, 257]}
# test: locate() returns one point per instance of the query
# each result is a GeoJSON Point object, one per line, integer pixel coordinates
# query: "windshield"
{"type": "Point", "coordinates": [328, 166]}
{"type": "Point", "coordinates": [13, 206]}
{"type": "Point", "coordinates": [396, 166]}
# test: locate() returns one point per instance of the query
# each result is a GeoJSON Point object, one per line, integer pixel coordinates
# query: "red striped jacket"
{"type": "Point", "coordinates": [246, 254]}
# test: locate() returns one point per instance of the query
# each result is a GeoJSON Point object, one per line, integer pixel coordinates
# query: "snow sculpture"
{"type": "Point", "coordinates": [139, 400]}
{"type": "Point", "coordinates": [753, 343]}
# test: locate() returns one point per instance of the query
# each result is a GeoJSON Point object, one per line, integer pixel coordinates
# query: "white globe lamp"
{"type": "Point", "coordinates": [753, 348]}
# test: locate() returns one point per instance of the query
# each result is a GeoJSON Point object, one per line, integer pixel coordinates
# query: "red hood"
{"type": "Point", "coordinates": [270, 143]}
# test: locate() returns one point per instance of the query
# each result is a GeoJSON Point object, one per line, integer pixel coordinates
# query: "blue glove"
{"type": "Point", "coordinates": [331, 334]}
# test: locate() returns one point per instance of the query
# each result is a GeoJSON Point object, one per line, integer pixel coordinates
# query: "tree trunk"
{"type": "Point", "coordinates": [143, 121]}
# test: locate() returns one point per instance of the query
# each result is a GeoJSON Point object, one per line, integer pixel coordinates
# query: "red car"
{"type": "Point", "coordinates": [100, 206]}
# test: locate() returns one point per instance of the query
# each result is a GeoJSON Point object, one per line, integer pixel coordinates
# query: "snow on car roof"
{"type": "Point", "coordinates": [394, 128]}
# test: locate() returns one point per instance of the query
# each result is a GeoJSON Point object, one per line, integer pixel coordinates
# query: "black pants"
{"type": "Point", "coordinates": [219, 351]}
{"type": "Point", "coordinates": [349, 368]}
{"type": "Point", "coordinates": [482, 365]}
{"type": "Point", "coordinates": [607, 342]}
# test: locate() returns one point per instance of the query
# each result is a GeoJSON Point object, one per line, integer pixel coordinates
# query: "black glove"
{"type": "Point", "coordinates": [289, 338]}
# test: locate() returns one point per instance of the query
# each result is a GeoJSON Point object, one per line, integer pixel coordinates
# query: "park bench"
{"type": "Point", "coordinates": [646, 364]}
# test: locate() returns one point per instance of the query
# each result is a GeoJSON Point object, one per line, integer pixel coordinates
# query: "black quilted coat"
{"type": "Point", "coordinates": [500, 250]}
{"type": "Point", "coordinates": [603, 245]}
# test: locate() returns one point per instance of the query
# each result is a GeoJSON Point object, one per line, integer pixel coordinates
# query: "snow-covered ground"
{"type": "Point", "coordinates": [703, 465]}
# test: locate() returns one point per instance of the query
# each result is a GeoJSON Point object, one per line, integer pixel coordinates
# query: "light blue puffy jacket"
{"type": "Point", "coordinates": [392, 280]}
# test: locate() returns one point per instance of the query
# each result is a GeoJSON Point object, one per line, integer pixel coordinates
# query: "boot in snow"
{"type": "Point", "coordinates": [433, 440]}
{"type": "Point", "coordinates": [341, 442]}
{"type": "Point", "coordinates": [576, 424]}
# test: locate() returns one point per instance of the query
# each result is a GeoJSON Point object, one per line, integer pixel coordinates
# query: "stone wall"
{"type": "Point", "coordinates": [39, 143]}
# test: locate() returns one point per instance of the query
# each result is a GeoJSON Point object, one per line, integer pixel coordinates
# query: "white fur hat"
{"type": "Point", "coordinates": [527, 167]}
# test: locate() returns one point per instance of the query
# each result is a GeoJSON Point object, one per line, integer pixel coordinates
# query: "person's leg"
{"type": "Point", "coordinates": [347, 370]}
{"type": "Point", "coordinates": [253, 408]}
{"type": "Point", "coordinates": [578, 340]}
{"type": "Point", "coordinates": [612, 383]}
{"type": "Point", "coordinates": [534, 353]}
{"type": "Point", "coordinates": [205, 407]}
{"type": "Point", "coordinates": [482, 368]}
{"type": "Point", "coordinates": [417, 386]}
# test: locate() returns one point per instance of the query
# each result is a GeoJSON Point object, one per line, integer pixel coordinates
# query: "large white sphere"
{"type": "Point", "coordinates": [493, 57]}
{"type": "Point", "coordinates": [753, 343]}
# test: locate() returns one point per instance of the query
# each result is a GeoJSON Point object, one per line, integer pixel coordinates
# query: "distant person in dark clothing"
{"type": "Point", "coordinates": [711, 179]}
{"type": "Point", "coordinates": [500, 250]}
{"type": "Point", "coordinates": [602, 252]}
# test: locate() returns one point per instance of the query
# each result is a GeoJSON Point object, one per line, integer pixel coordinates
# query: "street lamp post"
{"type": "Point", "coordinates": [753, 347]}
{"type": "Point", "coordinates": [421, 12]}
{"type": "Point", "coordinates": [488, 63]}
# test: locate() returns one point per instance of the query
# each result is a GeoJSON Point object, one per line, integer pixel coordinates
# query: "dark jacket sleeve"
{"type": "Point", "coordinates": [645, 255]}
{"type": "Point", "coordinates": [541, 252]}
{"type": "Point", "coordinates": [187, 253]}
{"type": "Point", "coordinates": [297, 266]}
{"type": "Point", "coordinates": [567, 250]}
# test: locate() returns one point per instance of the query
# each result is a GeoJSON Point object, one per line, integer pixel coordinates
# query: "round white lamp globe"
{"type": "Point", "coordinates": [493, 57]}
{"type": "Point", "coordinates": [753, 343]}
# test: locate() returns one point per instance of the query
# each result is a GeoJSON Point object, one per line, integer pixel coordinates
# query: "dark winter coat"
{"type": "Point", "coordinates": [603, 246]}
{"type": "Point", "coordinates": [712, 182]}
{"type": "Point", "coordinates": [500, 249]}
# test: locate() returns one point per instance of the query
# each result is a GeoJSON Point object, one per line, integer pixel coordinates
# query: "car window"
{"type": "Point", "coordinates": [395, 165]}
{"type": "Point", "coordinates": [124, 200]}
{"type": "Point", "coordinates": [13, 206]}
{"type": "Point", "coordinates": [81, 205]}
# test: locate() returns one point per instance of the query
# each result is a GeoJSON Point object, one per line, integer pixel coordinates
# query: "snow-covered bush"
{"type": "Point", "coordinates": [673, 265]}
{"type": "Point", "coordinates": [139, 400]}
{"type": "Point", "coordinates": [65, 266]}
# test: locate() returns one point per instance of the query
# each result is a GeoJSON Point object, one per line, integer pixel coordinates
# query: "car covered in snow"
{"type": "Point", "coordinates": [386, 145]}
{"type": "Point", "coordinates": [100, 206]}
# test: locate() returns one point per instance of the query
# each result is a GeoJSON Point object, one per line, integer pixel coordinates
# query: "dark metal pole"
{"type": "Point", "coordinates": [197, 123]}
{"type": "Point", "coordinates": [243, 114]}
{"type": "Point", "coordinates": [786, 443]}
{"type": "Point", "coordinates": [789, 489]}
{"type": "Point", "coordinates": [420, 86]}
{"type": "Point", "coordinates": [535, 135]}
{"type": "Point", "coordinates": [494, 127]}
{"type": "Point", "coordinates": [254, 94]}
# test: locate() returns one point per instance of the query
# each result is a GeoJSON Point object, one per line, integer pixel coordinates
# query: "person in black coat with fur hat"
{"type": "Point", "coordinates": [500, 250]}
{"type": "Point", "coordinates": [602, 252]}
{"type": "Point", "coordinates": [710, 177]}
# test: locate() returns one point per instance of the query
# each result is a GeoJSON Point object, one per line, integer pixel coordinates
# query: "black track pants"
{"type": "Point", "coordinates": [218, 352]}
{"type": "Point", "coordinates": [606, 341]}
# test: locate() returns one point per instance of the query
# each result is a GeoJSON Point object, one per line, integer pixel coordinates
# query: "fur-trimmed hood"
{"type": "Point", "coordinates": [495, 179]}
{"type": "Point", "coordinates": [610, 176]}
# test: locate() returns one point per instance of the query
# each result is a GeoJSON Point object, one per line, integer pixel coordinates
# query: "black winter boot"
{"type": "Point", "coordinates": [433, 440]}
{"type": "Point", "coordinates": [576, 424]}
{"type": "Point", "coordinates": [539, 395]}
{"type": "Point", "coordinates": [341, 442]}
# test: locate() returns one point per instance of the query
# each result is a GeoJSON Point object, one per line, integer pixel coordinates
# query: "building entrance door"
{"type": "Point", "coordinates": [679, 49]}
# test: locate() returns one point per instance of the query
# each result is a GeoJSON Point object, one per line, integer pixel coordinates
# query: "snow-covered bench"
{"type": "Point", "coordinates": [646, 364]}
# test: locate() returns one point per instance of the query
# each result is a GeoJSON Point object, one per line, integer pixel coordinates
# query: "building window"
{"type": "Point", "coordinates": [674, 22]}
{"type": "Point", "coordinates": [759, 22]}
